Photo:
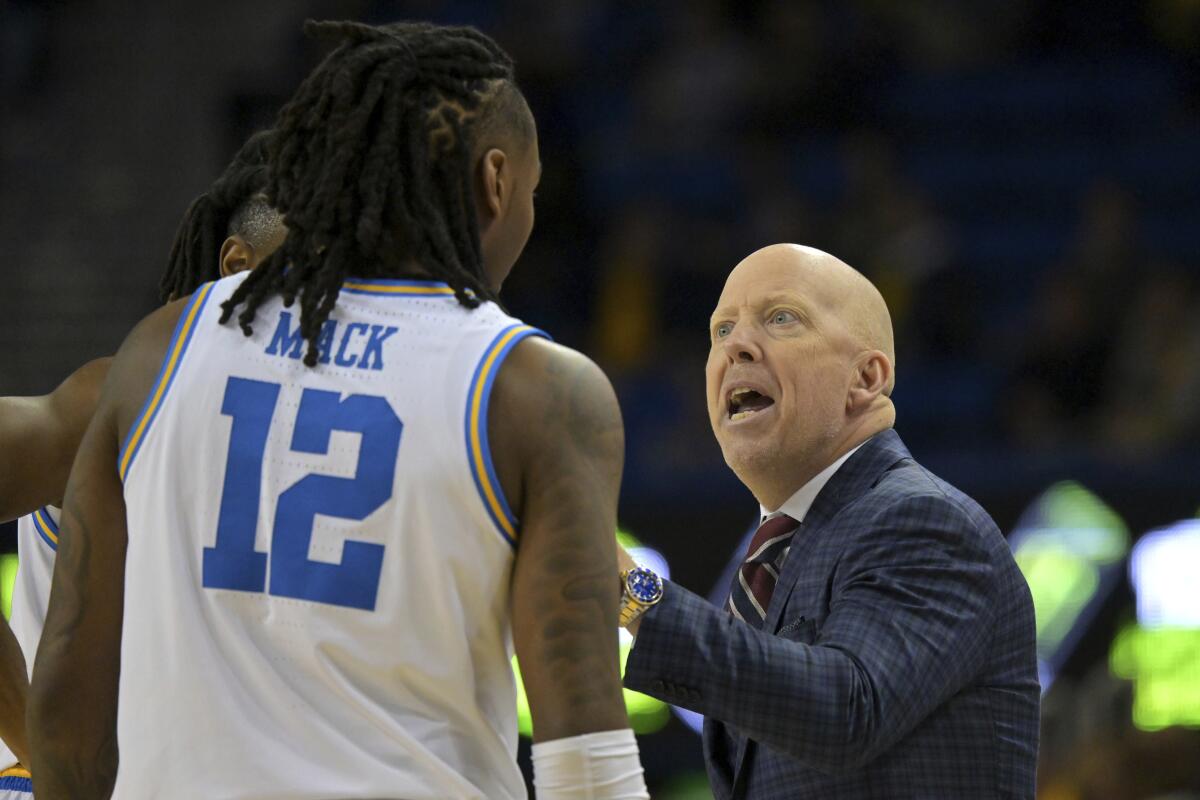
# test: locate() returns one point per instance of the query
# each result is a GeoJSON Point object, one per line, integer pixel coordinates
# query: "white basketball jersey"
{"type": "Point", "coordinates": [317, 579]}
{"type": "Point", "coordinates": [37, 541]}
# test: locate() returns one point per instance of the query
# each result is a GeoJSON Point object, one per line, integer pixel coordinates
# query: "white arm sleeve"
{"type": "Point", "coordinates": [593, 766]}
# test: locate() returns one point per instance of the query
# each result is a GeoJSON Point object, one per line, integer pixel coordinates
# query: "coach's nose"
{"type": "Point", "coordinates": [741, 345]}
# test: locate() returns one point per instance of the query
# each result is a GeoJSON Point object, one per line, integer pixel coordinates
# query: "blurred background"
{"type": "Point", "coordinates": [1021, 180]}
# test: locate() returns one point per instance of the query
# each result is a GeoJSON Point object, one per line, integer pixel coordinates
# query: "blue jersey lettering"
{"type": "Point", "coordinates": [372, 357]}
{"type": "Point", "coordinates": [285, 341]}
{"type": "Point", "coordinates": [341, 359]}
{"type": "Point", "coordinates": [289, 342]}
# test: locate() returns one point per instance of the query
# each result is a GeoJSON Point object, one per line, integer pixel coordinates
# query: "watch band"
{"type": "Point", "coordinates": [630, 610]}
{"type": "Point", "coordinates": [640, 590]}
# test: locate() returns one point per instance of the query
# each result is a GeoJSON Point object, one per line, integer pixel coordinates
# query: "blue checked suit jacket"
{"type": "Point", "coordinates": [896, 660]}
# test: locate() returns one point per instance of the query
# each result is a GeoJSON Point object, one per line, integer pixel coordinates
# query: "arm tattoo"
{"type": "Point", "coordinates": [580, 494]}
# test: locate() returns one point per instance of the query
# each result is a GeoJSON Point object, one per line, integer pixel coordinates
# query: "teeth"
{"type": "Point", "coordinates": [741, 415]}
{"type": "Point", "coordinates": [736, 393]}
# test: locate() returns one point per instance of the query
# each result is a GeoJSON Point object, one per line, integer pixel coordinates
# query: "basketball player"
{"type": "Point", "coordinates": [327, 523]}
{"type": "Point", "coordinates": [231, 228]}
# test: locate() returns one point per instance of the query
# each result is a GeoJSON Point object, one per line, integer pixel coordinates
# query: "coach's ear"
{"type": "Point", "coordinates": [237, 255]}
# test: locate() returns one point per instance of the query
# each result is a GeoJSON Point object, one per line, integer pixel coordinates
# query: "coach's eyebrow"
{"type": "Point", "coordinates": [722, 312]}
{"type": "Point", "coordinates": [776, 298]}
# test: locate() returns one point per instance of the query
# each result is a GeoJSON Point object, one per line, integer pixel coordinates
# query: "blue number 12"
{"type": "Point", "coordinates": [233, 563]}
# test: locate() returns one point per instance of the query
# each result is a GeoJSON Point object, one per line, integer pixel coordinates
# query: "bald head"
{"type": "Point", "coordinates": [811, 338]}
{"type": "Point", "coordinates": [841, 291]}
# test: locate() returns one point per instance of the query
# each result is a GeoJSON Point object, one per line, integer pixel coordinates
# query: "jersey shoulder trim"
{"type": "Point", "coordinates": [397, 288]}
{"type": "Point", "coordinates": [16, 779]}
{"type": "Point", "coordinates": [479, 454]}
{"type": "Point", "coordinates": [166, 376]}
{"type": "Point", "coordinates": [47, 529]}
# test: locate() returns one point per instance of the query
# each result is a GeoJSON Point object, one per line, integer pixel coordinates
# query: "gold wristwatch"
{"type": "Point", "coordinates": [640, 589]}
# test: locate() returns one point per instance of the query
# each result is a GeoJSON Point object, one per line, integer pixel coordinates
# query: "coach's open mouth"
{"type": "Point", "coordinates": [744, 401]}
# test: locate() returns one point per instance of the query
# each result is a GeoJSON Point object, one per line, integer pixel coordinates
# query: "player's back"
{"type": "Point", "coordinates": [317, 579]}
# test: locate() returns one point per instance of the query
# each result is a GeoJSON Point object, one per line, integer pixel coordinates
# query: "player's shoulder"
{"type": "Point", "coordinates": [141, 357]}
{"type": "Point", "coordinates": [77, 396]}
{"type": "Point", "coordinates": [553, 412]}
{"type": "Point", "coordinates": [553, 384]}
{"type": "Point", "coordinates": [150, 336]}
{"type": "Point", "coordinates": [552, 405]}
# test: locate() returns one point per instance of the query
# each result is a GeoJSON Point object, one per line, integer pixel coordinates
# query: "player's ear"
{"type": "Point", "coordinates": [237, 255]}
{"type": "Point", "coordinates": [493, 184]}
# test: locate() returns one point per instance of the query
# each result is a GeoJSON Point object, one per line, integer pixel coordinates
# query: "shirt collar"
{"type": "Point", "coordinates": [798, 504]}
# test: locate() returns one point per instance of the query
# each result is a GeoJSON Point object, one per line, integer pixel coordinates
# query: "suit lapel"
{"type": "Point", "coordinates": [860, 472]}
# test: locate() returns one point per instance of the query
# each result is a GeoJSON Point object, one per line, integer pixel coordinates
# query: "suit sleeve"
{"type": "Point", "coordinates": [910, 610]}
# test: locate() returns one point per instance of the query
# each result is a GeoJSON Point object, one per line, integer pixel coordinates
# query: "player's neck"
{"type": "Point", "coordinates": [399, 270]}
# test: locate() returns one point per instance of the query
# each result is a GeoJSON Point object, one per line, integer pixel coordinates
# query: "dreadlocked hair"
{"type": "Point", "coordinates": [371, 167]}
{"type": "Point", "coordinates": [195, 254]}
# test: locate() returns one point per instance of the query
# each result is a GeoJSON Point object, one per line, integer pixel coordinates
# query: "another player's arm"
{"type": "Point", "coordinates": [558, 443]}
{"type": "Point", "coordinates": [38, 440]}
{"type": "Point", "coordinates": [72, 715]}
{"type": "Point", "coordinates": [14, 688]}
{"type": "Point", "coordinates": [39, 437]}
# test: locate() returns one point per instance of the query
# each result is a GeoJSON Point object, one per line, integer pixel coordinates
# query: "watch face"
{"type": "Point", "coordinates": [643, 585]}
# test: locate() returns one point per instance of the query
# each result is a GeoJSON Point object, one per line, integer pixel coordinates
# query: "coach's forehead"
{"type": "Point", "coordinates": [833, 293]}
{"type": "Point", "coordinates": [800, 273]}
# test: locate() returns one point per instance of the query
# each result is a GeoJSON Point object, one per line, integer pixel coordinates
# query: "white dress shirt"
{"type": "Point", "coordinates": [798, 504]}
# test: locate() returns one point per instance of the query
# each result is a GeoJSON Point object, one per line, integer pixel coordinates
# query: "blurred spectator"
{"type": "Point", "coordinates": [696, 83]}
{"type": "Point", "coordinates": [1056, 389]}
{"type": "Point", "coordinates": [627, 324]}
{"type": "Point", "coordinates": [1152, 401]}
{"type": "Point", "coordinates": [1107, 247]}
{"type": "Point", "coordinates": [1136, 765]}
{"type": "Point", "coordinates": [884, 224]}
{"type": "Point", "coordinates": [1065, 363]}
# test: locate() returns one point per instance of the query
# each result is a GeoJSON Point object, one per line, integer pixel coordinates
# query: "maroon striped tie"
{"type": "Point", "coordinates": [755, 581]}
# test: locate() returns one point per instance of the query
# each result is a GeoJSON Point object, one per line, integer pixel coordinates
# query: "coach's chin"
{"type": "Point", "coordinates": [876, 638]}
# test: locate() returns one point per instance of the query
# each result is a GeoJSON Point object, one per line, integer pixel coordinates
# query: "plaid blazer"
{"type": "Point", "coordinates": [896, 660]}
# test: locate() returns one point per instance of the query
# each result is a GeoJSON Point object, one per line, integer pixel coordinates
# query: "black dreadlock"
{"type": "Point", "coordinates": [371, 166]}
{"type": "Point", "coordinates": [211, 217]}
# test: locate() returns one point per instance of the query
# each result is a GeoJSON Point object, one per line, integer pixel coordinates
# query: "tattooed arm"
{"type": "Point", "coordinates": [72, 713]}
{"type": "Point", "coordinates": [39, 437]}
{"type": "Point", "coordinates": [558, 445]}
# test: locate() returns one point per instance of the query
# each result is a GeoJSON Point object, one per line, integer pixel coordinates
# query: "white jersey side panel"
{"type": "Point", "coordinates": [37, 541]}
{"type": "Point", "coordinates": [317, 579]}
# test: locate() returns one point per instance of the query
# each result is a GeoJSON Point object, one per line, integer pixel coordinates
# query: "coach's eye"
{"type": "Point", "coordinates": [722, 330]}
{"type": "Point", "coordinates": [784, 317]}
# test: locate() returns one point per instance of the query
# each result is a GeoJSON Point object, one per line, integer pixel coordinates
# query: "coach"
{"type": "Point", "coordinates": [878, 641]}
